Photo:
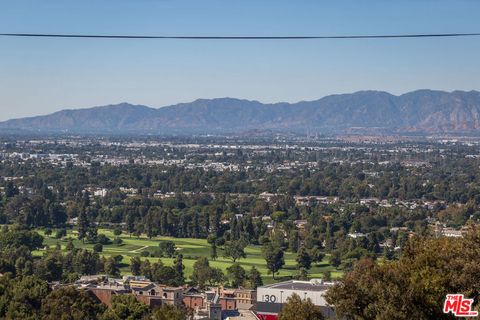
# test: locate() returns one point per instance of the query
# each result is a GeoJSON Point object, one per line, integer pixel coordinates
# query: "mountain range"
{"type": "Point", "coordinates": [417, 112]}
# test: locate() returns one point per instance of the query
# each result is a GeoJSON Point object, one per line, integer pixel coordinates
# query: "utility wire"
{"type": "Point", "coordinates": [378, 36]}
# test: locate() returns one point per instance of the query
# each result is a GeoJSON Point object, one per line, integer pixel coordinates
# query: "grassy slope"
{"type": "Point", "coordinates": [191, 249]}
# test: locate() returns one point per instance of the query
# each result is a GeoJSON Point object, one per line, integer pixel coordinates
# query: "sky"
{"type": "Point", "coordinates": [40, 76]}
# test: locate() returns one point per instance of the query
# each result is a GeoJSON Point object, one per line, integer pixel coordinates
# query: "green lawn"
{"type": "Point", "coordinates": [191, 250]}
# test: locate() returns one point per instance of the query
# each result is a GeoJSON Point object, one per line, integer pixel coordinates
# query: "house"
{"type": "Point", "coordinates": [452, 233]}
{"type": "Point", "coordinates": [205, 305]}
{"type": "Point", "coordinates": [301, 224]}
{"type": "Point", "coordinates": [154, 294]}
{"type": "Point", "coordinates": [355, 235]}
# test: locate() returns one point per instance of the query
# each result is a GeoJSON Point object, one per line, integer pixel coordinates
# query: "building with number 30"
{"type": "Point", "coordinates": [270, 298]}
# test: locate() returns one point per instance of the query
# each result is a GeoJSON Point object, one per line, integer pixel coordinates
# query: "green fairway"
{"type": "Point", "coordinates": [191, 250]}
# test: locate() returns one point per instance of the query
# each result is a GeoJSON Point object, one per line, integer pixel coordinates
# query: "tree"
{"type": "Point", "coordinates": [111, 267]}
{"type": "Point", "coordinates": [83, 224]}
{"type": "Point", "coordinates": [117, 232]}
{"type": "Point", "coordinates": [316, 254]}
{"type": "Point", "coordinates": [69, 246]}
{"type": "Point", "coordinates": [200, 274]}
{"type": "Point", "coordinates": [15, 238]}
{"type": "Point", "coordinates": [274, 257]}
{"type": "Point", "coordinates": [179, 268]}
{"type": "Point", "coordinates": [165, 274]}
{"type": "Point", "coordinates": [60, 233]}
{"type": "Point", "coordinates": [235, 250]}
{"type": "Point", "coordinates": [23, 297]}
{"type": "Point", "coordinates": [212, 239]}
{"type": "Point", "coordinates": [98, 247]}
{"type": "Point", "coordinates": [304, 261]}
{"type": "Point", "coordinates": [335, 259]}
{"type": "Point", "coordinates": [50, 266]}
{"type": "Point", "coordinates": [68, 303]}
{"type": "Point", "coordinates": [126, 307]}
{"type": "Point", "coordinates": [327, 275]}
{"type": "Point", "coordinates": [215, 276]}
{"type": "Point", "coordinates": [82, 261]}
{"type": "Point", "coordinates": [135, 265]}
{"type": "Point", "coordinates": [254, 278]}
{"type": "Point", "coordinates": [237, 274]}
{"type": "Point", "coordinates": [146, 269]}
{"type": "Point", "coordinates": [294, 241]}
{"type": "Point", "coordinates": [167, 248]}
{"type": "Point", "coordinates": [213, 251]}
{"type": "Point", "coordinates": [92, 234]}
{"type": "Point", "coordinates": [169, 312]}
{"type": "Point", "coordinates": [413, 287]}
{"type": "Point", "coordinates": [203, 274]}
{"type": "Point", "coordinates": [298, 309]}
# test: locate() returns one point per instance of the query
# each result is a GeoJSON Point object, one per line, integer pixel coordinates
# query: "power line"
{"type": "Point", "coordinates": [377, 36]}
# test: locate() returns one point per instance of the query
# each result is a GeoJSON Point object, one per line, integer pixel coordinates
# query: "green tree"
{"type": "Point", "coordinates": [169, 312]}
{"type": "Point", "coordinates": [413, 287]}
{"type": "Point", "coordinates": [316, 254]}
{"type": "Point", "coordinates": [304, 261]}
{"type": "Point", "coordinates": [203, 274]}
{"type": "Point", "coordinates": [68, 303]}
{"type": "Point", "coordinates": [167, 248]}
{"type": "Point", "coordinates": [117, 232]}
{"type": "Point", "coordinates": [212, 239]}
{"type": "Point", "coordinates": [111, 267]}
{"type": "Point", "coordinates": [146, 269]}
{"type": "Point", "coordinates": [83, 224]}
{"type": "Point", "coordinates": [335, 258]}
{"type": "Point", "coordinates": [213, 251]}
{"type": "Point", "coordinates": [98, 247]}
{"type": "Point", "coordinates": [179, 269]}
{"type": "Point", "coordinates": [69, 246]}
{"type": "Point", "coordinates": [200, 274]}
{"type": "Point", "coordinates": [235, 250]}
{"type": "Point", "coordinates": [254, 278]}
{"type": "Point", "coordinates": [25, 298]}
{"type": "Point", "coordinates": [126, 307]}
{"type": "Point", "coordinates": [274, 257]}
{"type": "Point", "coordinates": [237, 275]}
{"type": "Point", "coordinates": [135, 265]}
{"type": "Point", "coordinates": [298, 309]}
{"type": "Point", "coordinates": [294, 241]}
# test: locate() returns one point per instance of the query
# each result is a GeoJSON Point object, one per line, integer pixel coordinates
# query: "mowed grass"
{"type": "Point", "coordinates": [191, 249]}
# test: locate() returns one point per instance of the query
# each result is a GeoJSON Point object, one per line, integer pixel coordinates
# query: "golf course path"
{"type": "Point", "coordinates": [139, 249]}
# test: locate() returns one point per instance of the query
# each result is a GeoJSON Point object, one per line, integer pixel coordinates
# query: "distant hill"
{"type": "Point", "coordinates": [421, 112]}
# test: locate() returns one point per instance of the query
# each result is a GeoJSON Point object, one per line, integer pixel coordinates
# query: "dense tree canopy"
{"type": "Point", "coordinates": [415, 286]}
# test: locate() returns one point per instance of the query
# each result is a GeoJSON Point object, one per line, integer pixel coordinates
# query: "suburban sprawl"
{"type": "Point", "coordinates": [237, 227]}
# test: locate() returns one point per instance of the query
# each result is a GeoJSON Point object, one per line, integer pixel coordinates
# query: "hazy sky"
{"type": "Point", "coordinates": [39, 76]}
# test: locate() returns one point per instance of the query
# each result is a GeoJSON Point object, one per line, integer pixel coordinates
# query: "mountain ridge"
{"type": "Point", "coordinates": [422, 111]}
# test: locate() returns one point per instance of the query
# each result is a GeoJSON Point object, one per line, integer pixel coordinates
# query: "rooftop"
{"type": "Point", "coordinates": [312, 285]}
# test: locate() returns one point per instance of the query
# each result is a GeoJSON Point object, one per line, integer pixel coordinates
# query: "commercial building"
{"type": "Point", "coordinates": [272, 297]}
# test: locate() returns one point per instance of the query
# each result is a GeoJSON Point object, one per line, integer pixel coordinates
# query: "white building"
{"type": "Point", "coordinates": [270, 298]}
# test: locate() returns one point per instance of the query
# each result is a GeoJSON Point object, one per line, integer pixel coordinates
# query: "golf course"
{"type": "Point", "coordinates": [191, 249]}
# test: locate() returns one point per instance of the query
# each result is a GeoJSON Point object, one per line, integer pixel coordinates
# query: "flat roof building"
{"type": "Point", "coordinates": [272, 297]}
